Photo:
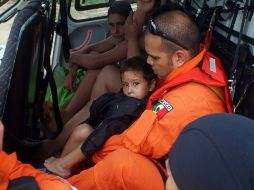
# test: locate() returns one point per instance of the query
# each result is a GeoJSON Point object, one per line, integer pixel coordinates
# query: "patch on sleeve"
{"type": "Point", "coordinates": [161, 108]}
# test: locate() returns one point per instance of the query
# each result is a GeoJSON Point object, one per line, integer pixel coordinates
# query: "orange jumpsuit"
{"type": "Point", "coordinates": [188, 93]}
{"type": "Point", "coordinates": [11, 168]}
{"type": "Point", "coordinates": [123, 174]}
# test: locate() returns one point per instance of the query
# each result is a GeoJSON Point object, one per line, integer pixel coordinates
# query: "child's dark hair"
{"type": "Point", "coordinates": [122, 8]}
{"type": "Point", "coordinates": [138, 63]}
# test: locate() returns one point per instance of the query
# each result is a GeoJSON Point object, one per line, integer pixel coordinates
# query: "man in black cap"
{"type": "Point", "coordinates": [213, 153]}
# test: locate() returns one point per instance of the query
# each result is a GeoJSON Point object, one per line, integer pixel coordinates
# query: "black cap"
{"type": "Point", "coordinates": [215, 152]}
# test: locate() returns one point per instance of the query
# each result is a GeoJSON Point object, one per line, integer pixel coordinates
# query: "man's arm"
{"type": "Point", "coordinates": [144, 8]}
{"type": "Point", "coordinates": [154, 133]}
{"type": "Point", "coordinates": [11, 168]}
{"type": "Point", "coordinates": [99, 47]}
{"type": "Point", "coordinates": [132, 35]}
{"type": "Point", "coordinates": [149, 135]}
{"type": "Point", "coordinates": [134, 27]}
{"type": "Point", "coordinates": [95, 61]}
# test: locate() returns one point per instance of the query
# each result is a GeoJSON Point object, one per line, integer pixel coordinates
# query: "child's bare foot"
{"type": "Point", "coordinates": [52, 158]}
{"type": "Point", "coordinates": [55, 166]}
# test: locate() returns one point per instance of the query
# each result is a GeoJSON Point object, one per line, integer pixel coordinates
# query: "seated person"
{"type": "Point", "coordinates": [214, 152]}
{"type": "Point", "coordinates": [96, 56]}
{"type": "Point", "coordinates": [108, 80]}
{"type": "Point", "coordinates": [110, 114]}
{"type": "Point", "coordinates": [11, 169]}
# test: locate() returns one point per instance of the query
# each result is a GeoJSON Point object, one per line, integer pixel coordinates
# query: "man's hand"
{"type": "Point", "coordinates": [72, 59]}
{"type": "Point", "coordinates": [68, 81]}
{"type": "Point", "coordinates": [145, 5]}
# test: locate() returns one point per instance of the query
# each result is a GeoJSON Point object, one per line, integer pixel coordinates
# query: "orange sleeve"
{"type": "Point", "coordinates": [112, 144]}
{"type": "Point", "coordinates": [153, 136]}
{"type": "Point", "coordinates": [11, 168]}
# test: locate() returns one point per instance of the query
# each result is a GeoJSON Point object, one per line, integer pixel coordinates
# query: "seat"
{"type": "Point", "coordinates": [21, 74]}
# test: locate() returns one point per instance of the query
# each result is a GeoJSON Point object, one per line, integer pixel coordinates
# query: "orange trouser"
{"type": "Point", "coordinates": [121, 169]}
{"type": "Point", "coordinates": [11, 168]}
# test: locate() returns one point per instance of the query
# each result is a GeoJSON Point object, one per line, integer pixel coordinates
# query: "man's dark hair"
{"type": "Point", "coordinates": [122, 8]}
{"type": "Point", "coordinates": [139, 64]}
{"type": "Point", "coordinates": [174, 21]}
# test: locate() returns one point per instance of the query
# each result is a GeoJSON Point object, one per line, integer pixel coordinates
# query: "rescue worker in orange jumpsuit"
{"type": "Point", "coordinates": [194, 85]}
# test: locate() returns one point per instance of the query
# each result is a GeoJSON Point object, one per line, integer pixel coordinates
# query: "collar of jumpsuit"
{"type": "Point", "coordinates": [187, 66]}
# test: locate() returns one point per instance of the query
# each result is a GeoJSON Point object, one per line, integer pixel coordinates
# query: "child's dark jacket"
{"type": "Point", "coordinates": [111, 114]}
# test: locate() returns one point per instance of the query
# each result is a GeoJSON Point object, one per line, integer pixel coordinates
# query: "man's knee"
{"type": "Point", "coordinates": [113, 80]}
{"type": "Point", "coordinates": [108, 80]}
{"type": "Point", "coordinates": [110, 71]}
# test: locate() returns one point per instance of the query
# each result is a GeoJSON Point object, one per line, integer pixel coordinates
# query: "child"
{"type": "Point", "coordinates": [110, 114]}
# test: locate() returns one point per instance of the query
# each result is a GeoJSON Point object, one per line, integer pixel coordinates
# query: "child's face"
{"type": "Point", "coordinates": [116, 26]}
{"type": "Point", "coordinates": [134, 84]}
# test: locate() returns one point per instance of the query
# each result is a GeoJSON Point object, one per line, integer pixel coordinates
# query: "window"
{"type": "Point", "coordinates": [6, 21]}
{"type": "Point", "coordinates": [5, 5]}
{"type": "Point", "coordinates": [90, 9]}
{"type": "Point", "coordinates": [92, 2]}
